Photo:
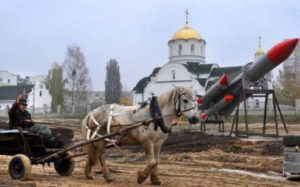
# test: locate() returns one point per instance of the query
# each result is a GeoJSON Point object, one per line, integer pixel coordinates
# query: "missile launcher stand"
{"type": "Point", "coordinates": [245, 93]}
{"type": "Point", "coordinates": [212, 120]}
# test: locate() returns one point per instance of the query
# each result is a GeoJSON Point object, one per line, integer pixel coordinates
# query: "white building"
{"type": "Point", "coordinates": [39, 99]}
{"type": "Point", "coordinates": [186, 67]}
{"type": "Point", "coordinates": [8, 78]}
{"type": "Point", "coordinates": [37, 95]}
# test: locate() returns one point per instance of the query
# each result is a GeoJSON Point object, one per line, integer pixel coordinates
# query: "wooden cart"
{"type": "Point", "coordinates": [29, 149]}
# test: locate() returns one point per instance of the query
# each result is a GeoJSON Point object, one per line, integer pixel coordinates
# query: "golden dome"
{"type": "Point", "coordinates": [259, 51]}
{"type": "Point", "coordinates": [186, 33]}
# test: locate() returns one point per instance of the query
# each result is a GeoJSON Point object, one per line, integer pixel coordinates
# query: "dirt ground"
{"type": "Point", "coordinates": [187, 159]}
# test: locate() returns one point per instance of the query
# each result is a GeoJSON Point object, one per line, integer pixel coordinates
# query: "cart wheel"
{"type": "Point", "coordinates": [64, 166]}
{"type": "Point", "coordinates": [19, 167]}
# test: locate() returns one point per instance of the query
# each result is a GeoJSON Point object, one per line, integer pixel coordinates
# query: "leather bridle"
{"type": "Point", "coordinates": [177, 104]}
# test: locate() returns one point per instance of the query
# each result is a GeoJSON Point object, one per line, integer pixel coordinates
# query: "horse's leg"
{"type": "Point", "coordinates": [101, 157]}
{"type": "Point", "coordinates": [154, 174]}
{"type": "Point", "coordinates": [91, 160]}
{"type": "Point", "coordinates": [142, 175]}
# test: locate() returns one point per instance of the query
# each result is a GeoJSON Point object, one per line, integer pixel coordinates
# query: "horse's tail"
{"type": "Point", "coordinates": [90, 148]}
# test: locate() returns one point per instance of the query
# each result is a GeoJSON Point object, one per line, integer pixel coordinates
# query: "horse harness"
{"type": "Point", "coordinates": [155, 113]}
{"type": "Point", "coordinates": [99, 126]}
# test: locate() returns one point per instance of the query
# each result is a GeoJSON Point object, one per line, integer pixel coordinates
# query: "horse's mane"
{"type": "Point", "coordinates": [169, 96]}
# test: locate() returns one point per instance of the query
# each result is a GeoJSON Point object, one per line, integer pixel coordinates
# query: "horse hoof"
{"type": "Point", "coordinates": [156, 183]}
{"type": "Point", "coordinates": [155, 180]}
{"type": "Point", "coordinates": [109, 180]}
{"type": "Point", "coordinates": [89, 177]}
{"type": "Point", "coordinates": [141, 177]}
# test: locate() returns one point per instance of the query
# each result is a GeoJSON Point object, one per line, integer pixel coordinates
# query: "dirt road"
{"type": "Point", "coordinates": [187, 159]}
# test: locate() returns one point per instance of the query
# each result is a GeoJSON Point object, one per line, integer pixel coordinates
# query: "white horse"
{"type": "Point", "coordinates": [172, 104]}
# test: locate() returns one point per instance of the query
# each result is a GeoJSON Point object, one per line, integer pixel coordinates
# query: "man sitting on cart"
{"type": "Point", "coordinates": [19, 117]}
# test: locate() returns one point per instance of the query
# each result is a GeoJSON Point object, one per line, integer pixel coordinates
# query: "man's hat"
{"type": "Point", "coordinates": [23, 102]}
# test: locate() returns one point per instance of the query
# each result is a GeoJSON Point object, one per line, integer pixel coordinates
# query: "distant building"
{"type": "Point", "coordinates": [8, 78]}
{"type": "Point", "coordinates": [93, 98]}
{"type": "Point", "coordinates": [291, 66]}
{"type": "Point", "coordinates": [37, 95]}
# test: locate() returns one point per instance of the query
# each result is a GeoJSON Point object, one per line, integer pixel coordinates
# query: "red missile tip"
{"type": "Point", "coordinates": [199, 100]}
{"type": "Point", "coordinates": [282, 51]}
{"type": "Point", "coordinates": [228, 98]}
{"type": "Point", "coordinates": [223, 80]}
{"type": "Point", "coordinates": [203, 116]}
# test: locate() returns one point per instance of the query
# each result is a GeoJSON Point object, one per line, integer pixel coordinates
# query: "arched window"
{"type": "Point", "coordinates": [192, 49]}
{"type": "Point", "coordinates": [202, 52]}
{"type": "Point", "coordinates": [173, 74]}
{"type": "Point", "coordinates": [179, 49]}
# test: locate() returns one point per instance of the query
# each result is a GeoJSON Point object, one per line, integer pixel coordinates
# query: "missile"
{"type": "Point", "coordinates": [218, 106]}
{"type": "Point", "coordinates": [214, 90]}
{"type": "Point", "coordinates": [275, 56]}
{"type": "Point", "coordinates": [213, 102]}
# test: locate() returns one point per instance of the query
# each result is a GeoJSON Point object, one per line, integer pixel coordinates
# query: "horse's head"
{"type": "Point", "coordinates": [184, 103]}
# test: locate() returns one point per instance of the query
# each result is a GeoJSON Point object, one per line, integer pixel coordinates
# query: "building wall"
{"type": "Point", "coordinates": [5, 104]}
{"type": "Point", "coordinates": [291, 66]}
{"type": "Point", "coordinates": [39, 97]}
{"type": "Point", "coordinates": [8, 78]}
{"type": "Point", "coordinates": [186, 52]}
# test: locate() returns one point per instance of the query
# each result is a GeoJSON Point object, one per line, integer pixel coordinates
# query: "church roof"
{"type": "Point", "coordinates": [202, 81]}
{"type": "Point", "coordinates": [140, 86]}
{"type": "Point", "coordinates": [196, 68]}
{"type": "Point", "coordinates": [12, 92]}
{"type": "Point", "coordinates": [155, 71]}
{"type": "Point", "coordinates": [186, 33]}
{"type": "Point", "coordinates": [219, 71]}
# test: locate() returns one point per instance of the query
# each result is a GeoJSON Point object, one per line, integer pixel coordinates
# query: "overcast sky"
{"type": "Point", "coordinates": [36, 33]}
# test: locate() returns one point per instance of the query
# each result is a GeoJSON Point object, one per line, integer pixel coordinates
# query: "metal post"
{"type": "Point", "coordinates": [246, 116]}
{"type": "Point", "coordinates": [233, 122]}
{"type": "Point", "coordinates": [279, 110]}
{"type": "Point", "coordinates": [265, 113]}
{"type": "Point", "coordinates": [275, 116]}
{"type": "Point", "coordinates": [237, 119]}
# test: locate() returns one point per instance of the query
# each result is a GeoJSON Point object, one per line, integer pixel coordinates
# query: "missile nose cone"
{"type": "Point", "coordinates": [223, 81]}
{"type": "Point", "coordinates": [199, 100]}
{"type": "Point", "coordinates": [228, 98]}
{"type": "Point", "coordinates": [282, 51]}
{"type": "Point", "coordinates": [203, 116]}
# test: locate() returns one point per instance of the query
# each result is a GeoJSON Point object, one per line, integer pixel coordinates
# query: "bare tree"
{"type": "Point", "coordinates": [78, 79]}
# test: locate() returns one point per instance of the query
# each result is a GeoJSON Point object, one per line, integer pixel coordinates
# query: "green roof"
{"type": "Point", "coordinates": [196, 68]}
{"type": "Point", "coordinates": [140, 86]}
{"type": "Point", "coordinates": [202, 81]}
{"type": "Point", "coordinates": [155, 71]}
{"type": "Point", "coordinates": [12, 92]}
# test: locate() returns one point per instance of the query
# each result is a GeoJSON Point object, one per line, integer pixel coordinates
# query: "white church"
{"type": "Point", "coordinates": [186, 67]}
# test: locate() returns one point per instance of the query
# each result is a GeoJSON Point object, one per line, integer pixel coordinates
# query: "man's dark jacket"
{"type": "Point", "coordinates": [17, 117]}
